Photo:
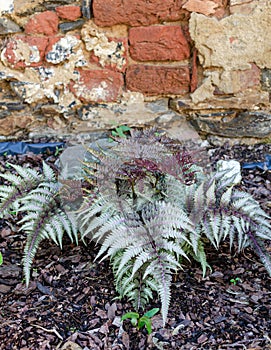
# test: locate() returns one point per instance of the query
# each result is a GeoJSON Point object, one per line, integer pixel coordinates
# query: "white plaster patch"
{"type": "Point", "coordinates": [45, 73]}
{"type": "Point", "coordinates": [6, 6]}
{"type": "Point", "coordinates": [62, 49]}
{"type": "Point", "coordinates": [80, 60]}
{"type": "Point", "coordinates": [26, 90]}
{"type": "Point", "coordinates": [108, 52]}
{"type": "Point", "coordinates": [34, 56]}
{"type": "Point", "coordinates": [97, 93]}
{"type": "Point", "coordinates": [132, 97]}
{"type": "Point", "coordinates": [34, 84]}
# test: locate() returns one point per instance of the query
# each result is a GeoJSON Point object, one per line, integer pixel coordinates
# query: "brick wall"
{"type": "Point", "coordinates": [192, 66]}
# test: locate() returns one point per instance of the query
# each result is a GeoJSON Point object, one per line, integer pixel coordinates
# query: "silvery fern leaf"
{"type": "Point", "coordinates": [36, 196]}
{"type": "Point", "coordinates": [152, 241]}
{"type": "Point", "coordinates": [235, 215]}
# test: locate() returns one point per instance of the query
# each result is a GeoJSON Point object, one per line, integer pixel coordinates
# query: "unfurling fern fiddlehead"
{"type": "Point", "coordinates": [36, 196]}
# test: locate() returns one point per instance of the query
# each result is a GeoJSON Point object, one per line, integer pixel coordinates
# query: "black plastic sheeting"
{"type": "Point", "coordinates": [36, 148]}
{"type": "Point", "coordinates": [24, 147]}
{"type": "Point", "coordinates": [259, 165]}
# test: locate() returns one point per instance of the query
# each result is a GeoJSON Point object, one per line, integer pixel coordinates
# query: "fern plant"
{"type": "Point", "coordinates": [36, 196]}
{"type": "Point", "coordinates": [151, 207]}
{"type": "Point", "coordinates": [148, 206]}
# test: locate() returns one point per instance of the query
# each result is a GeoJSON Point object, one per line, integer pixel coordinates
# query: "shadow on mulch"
{"type": "Point", "coordinates": [70, 303]}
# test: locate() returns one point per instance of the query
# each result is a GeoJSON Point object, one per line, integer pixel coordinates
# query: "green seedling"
{"type": "Point", "coordinates": [142, 321]}
{"type": "Point", "coordinates": [120, 131]}
{"type": "Point", "coordinates": [58, 150]}
{"type": "Point", "coordinates": [73, 329]}
{"type": "Point", "coordinates": [1, 259]}
{"type": "Point", "coordinates": [234, 281]}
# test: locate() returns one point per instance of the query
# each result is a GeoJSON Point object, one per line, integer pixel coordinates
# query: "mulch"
{"type": "Point", "coordinates": [71, 302]}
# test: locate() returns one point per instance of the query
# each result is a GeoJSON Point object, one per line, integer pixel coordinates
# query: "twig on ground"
{"type": "Point", "coordinates": [53, 330]}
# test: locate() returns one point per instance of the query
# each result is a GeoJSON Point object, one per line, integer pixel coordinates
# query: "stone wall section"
{"type": "Point", "coordinates": [191, 66]}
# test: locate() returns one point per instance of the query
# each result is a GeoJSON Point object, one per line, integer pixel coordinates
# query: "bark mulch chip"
{"type": "Point", "coordinates": [71, 301]}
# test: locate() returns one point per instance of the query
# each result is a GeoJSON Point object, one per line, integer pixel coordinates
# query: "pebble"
{"type": "Point", "coordinates": [7, 26]}
{"type": "Point", "coordinates": [68, 26]}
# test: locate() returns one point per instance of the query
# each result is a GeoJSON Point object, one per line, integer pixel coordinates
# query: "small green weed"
{"type": "Point", "coordinates": [142, 321]}
{"type": "Point", "coordinates": [58, 150]}
{"type": "Point", "coordinates": [234, 281]}
{"type": "Point", "coordinates": [1, 258]}
{"type": "Point", "coordinates": [120, 131]}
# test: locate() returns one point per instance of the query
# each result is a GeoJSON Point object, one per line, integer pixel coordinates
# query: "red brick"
{"type": "Point", "coordinates": [98, 85]}
{"type": "Point", "coordinates": [70, 13]}
{"type": "Point", "coordinates": [194, 75]}
{"type": "Point", "coordinates": [43, 23]}
{"type": "Point", "coordinates": [158, 43]}
{"type": "Point", "coordinates": [137, 13]}
{"type": "Point", "coordinates": [157, 80]}
{"type": "Point", "coordinates": [24, 58]}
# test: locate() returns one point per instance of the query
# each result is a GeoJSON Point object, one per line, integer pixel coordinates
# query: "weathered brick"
{"type": "Point", "coordinates": [244, 7]}
{"type": "Point", "coordinates": [43, 23]}
{"type": "Point", "coordinates": [157, 80]}
{"type": "Point", "coordinates": [250, 77]}
{"type": "Point", "coordinates": [70, 13]}
{"type": "Point", "coordinates": [137, 13]}
{"type": "Point", "coordinates": [207, 7]}
{"type": "Point", "coordinates": [158, 43]}
{"type": "Point", "coordinates": [25, 51]}
{"type": "Point", "coordinates": [98, 85]}
{"type": "Point", "coordinates": [235, 81]}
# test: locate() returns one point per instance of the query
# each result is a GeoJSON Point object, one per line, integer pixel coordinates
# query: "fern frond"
{"type": "Point", "coordinates": [161, 271]}
{"type": "Point", "coordinates": [151, 241]}
{"type": "Point", "coordinates": [48, 173]}
{"type": "Point", "coordinates": [43, 219]}
{"type": "Point", "coordinates": [199, 256]}
{"type": "Point", "coordinates": [261, 251]}
{"type": "Point", "coordinates": [36, 195]}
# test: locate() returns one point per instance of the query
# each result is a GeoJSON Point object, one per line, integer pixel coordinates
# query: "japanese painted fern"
{"type": "Point", "coordinates": [151, 207]}
{"type": "Point", "coordinates": [36, 196]}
